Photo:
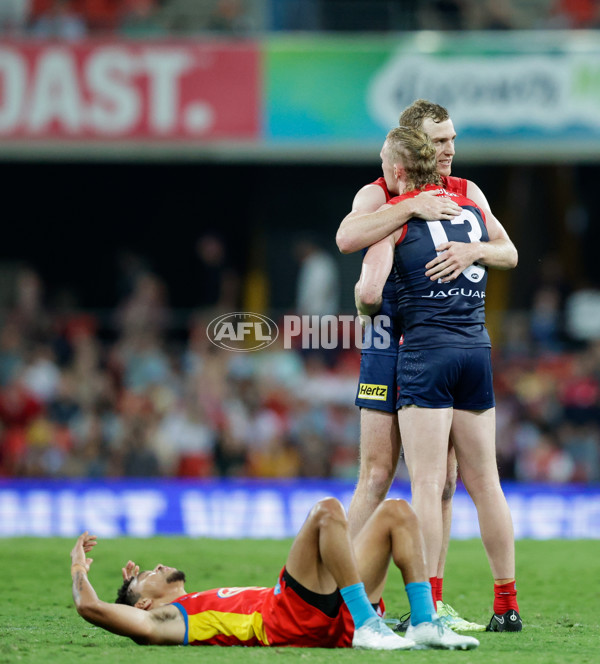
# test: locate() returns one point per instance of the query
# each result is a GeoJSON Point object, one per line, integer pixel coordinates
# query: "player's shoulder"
{"type": "Point", "coordinates": [369, 198]}
{"type": "Point", "coordinates": [455, 185]}
{"type": "Point", "coordinates": [168, 625]}
{"type": "Point", "coordinates": [377, 188]}
{"type": "Point", "coordinates": [167, 612]}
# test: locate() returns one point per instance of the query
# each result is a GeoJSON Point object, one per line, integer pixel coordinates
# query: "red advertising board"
{"type": "Point", "coordinates": [129, 90]}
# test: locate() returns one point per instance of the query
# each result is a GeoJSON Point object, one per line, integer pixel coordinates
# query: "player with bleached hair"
{"type": "Point", "coordinates": [445, 384]}
{"type": "Point", "coordinates": [367, 223]}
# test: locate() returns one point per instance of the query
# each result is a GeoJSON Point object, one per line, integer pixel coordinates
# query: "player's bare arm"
{"type": "Point", "coordinates": [376, 267]}
{"type": "Point", "coordinates": [499, 252]}
{"type": "Point", "coordinates": [367, 224]}
{"type": "Point", "coordinates": [162, 625]}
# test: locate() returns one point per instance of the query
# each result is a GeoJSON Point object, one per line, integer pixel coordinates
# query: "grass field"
{"type": "Point", "coordinates": [558, 581]}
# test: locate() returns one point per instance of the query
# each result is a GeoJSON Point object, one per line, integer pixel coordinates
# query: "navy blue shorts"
{"type": "Point", "coordinates": [377, 385]}
{"type": "Point", "coordinates": [446, 377]}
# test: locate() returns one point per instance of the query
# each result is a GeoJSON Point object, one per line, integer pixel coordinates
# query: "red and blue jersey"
{"type": "Point", "coordinates": [386, 342]}
{"type": "Point", "coordinates": [436, 314]}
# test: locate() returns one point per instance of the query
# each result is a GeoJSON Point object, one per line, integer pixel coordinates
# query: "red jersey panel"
{"type": "Point", "coordinates": [455, 185]}
{"type": "Point", "coordinates": [450, 183]}
{"type": "Point", "coordinates": [380, 182]}
{"type": "Point", "coordinates": [255, 616]}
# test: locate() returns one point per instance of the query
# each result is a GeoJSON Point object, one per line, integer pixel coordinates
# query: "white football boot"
{"type": "Point", "coordinates": [435, 635]}
{"type": "Point", "coordinates": [376, 635]}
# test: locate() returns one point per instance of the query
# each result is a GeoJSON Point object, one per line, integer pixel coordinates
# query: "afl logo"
{"type": "Point", "coordinates": [242, 331]}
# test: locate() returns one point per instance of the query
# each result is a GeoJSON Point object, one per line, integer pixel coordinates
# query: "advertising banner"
{"type": "Point", "coordinates": [515, 96]}
{"type": "Point", "coordinates": [255, 509]}
{"type": "Point", "coordinates": [129, 90]}
{"type": "Point", "coordinates": [533, 94]}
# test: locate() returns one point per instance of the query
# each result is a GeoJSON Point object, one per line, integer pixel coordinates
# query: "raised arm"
{"type": "Point", "coordinates": [137, 624]}
{"type": "Point", "coordinates": [366, 223]}
{"type": "Point", "coordinates": [375, 270]}
{"type": "Point", "coordinates": [454, 257]}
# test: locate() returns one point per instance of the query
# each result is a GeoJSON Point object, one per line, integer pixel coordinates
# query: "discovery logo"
{"type": "Point", "coordinates": [242, 331]}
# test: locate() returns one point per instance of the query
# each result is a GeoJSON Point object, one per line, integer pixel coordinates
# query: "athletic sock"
{"type": "Point", "coordinates": [358, 604]}
{"type": "Point", "coordinates": [505, 597]}
{"type": "Point", "coordinates": [434, 592]}
{"type": "Point", "coordinates": [439, 591]}
{"type": "Point", "coordinates": [421, 602]}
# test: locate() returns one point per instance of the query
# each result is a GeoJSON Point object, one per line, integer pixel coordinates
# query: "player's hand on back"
{"type": "Point", "coordinates": [430, 207]}
{"type": "Point", "coordinates": [453, 259]}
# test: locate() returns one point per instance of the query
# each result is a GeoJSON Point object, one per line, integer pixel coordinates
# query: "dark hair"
{"type": "Point", "coordinates": [125, 595]}
{"type": "Point", "coordinates": [413, 115]}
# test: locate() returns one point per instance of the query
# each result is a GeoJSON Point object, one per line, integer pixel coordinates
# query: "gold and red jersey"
{"type": "Point", "coordinates": [256, 616]}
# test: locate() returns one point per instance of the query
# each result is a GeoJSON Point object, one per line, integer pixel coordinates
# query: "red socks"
{"type": "Point", "coordinates": [505, 598]}
{"type": "Point", "coordinates": [433, 580]}
{"type": "Point", "coordinates": [505, 595]}
{"type": "Point", "coordinates": [437, 585]}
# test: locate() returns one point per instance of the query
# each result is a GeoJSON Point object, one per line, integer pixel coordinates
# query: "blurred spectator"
{"type": "Point", "coordinates": [318, 287]}
{"type": "Point", "coordinates": [41, 375]}
{"type": "Point", "coordinates": [11, 352]}
{"type": "Point", "coordinates": [147, 403]}
{"type": "Point", "coordinates": [14, 15]}
{"type": "Point", "coordinates": [546, 323]}
{"type": "Point", "coordinates": [186, 442]}
{"type": "Point", "coordinates": [229, 16]}
{"type": "Point", "coordinates": [145, 309]}
{"type": "Point", "coordinates": [138, 456]}
{"type": "Point", "coordinates": [444, 15]}
{"type": "Point", "coordinates": [295, 15]}
{"type": "Point", "coordinates": [582, 310]}
{"type": "Point", "coordinates": [498, 15]}
{"type": "Point", "coordinates": [547, 461]}
{"type": "Point", "coordinates": [217, 282]}
{"type": "Point", "coordinates": [573, 14]}
{"type": "Point", "coordinates": [28, 311]}
{"type": "Point", "coordinates": [64, 407]}
{"type": "Point", "coordinates": [139, 18]}
{"type": "Point", "coordinates": [144, 362]}
{"type": "Point", "coordinates": [18, 405]}
{"type": "Point", "coordinates": [61, 20]}
{"type": "Point", "coordinates": [101, 15]}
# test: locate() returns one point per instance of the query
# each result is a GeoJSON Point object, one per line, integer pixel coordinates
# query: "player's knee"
{"type": "Point", "coordinates": [449, 488]}
{"type": "Point", "coordinates": [398, 512]}
{"type": "Point", "coordinates": [379, 480]}
{"type": "Point", "coordinates": [328, 510]}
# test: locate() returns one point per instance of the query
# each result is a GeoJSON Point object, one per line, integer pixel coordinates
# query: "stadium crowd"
{"type": "Point", "coordinates": [74, 19]}
{"type": "Point", "coordinates": [90, 395]}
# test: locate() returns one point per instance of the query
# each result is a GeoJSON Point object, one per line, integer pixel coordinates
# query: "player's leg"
{"type": "Point", "coordinates": [379, 451]}
{"type": "Point", "coordinates": [448, 615]}
{"type": "Point", "coordinates": [393, 532]}
{"type": "Point", "coordinates": [474, 435]}
{"type": "Point", "coordinates": [447, 495]}
{"type": "Point", "coordinates": [425, 434]}
{"type": "Point", "coordinates": [474, 432]}
{"type": "Point", "coordinates": [321, 559]}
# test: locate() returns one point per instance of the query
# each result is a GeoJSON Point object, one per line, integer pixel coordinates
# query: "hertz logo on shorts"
{"type": "Point", "coordinates": [375, 392]}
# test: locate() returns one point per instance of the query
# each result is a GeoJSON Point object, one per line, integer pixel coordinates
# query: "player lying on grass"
{"type": "Point", "coordinates": [323, 597]}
